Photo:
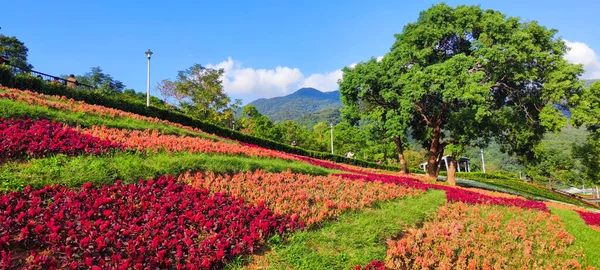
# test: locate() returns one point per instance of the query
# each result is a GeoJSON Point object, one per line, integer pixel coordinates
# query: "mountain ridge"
{"type": "Point", "coordinates": [294, 106]}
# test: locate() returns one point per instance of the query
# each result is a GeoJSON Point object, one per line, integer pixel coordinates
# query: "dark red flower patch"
{"type": "Point", "coordinates": [590, 218]}
{"type": "Point", "coordinates": [152, 224]}
{"type": "Point", "coordinates": [452, 194]}
{"type": "Point", "coordinates": [20, 138]}
{"type": "Point", "coordinates": [373, 265]}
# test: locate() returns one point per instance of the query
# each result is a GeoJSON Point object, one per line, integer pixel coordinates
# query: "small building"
{"type": "Point", "coordinates": [463, 164]}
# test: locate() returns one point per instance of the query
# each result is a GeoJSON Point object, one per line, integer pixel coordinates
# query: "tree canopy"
{"type": "Point", "coordinates": [199, 91]}
{"type": "Point", "coordinates": [15, 51]}
{"type": "Point", "coordinates": [102, 81]}
{"type": "Point", "coordinates": [466, 76]}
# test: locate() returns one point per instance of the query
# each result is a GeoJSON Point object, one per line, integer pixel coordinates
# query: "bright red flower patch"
{"type": "Point", "coordinates": [590, 218]}
{"type": "Point", "coordinates": [20, 138]}
{"type": "Point", "coordinates": [153, 224]}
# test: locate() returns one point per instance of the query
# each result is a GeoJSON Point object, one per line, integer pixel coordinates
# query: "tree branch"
{"type": "Point", "coordinates": [422, 112]}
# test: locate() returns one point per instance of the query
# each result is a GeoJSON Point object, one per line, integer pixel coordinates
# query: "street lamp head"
{"type": "Point", "coordinates": [149, 53]}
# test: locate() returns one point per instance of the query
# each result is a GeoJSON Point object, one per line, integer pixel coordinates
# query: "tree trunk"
{"type": "Point", "coordinates": [439, 158]}
{"type": "Point", "coordinates": [434, 150]}
{"type": "Point", "coordinates": [451, 179]}
{"type": "Point", "coordinates": [400, 150]}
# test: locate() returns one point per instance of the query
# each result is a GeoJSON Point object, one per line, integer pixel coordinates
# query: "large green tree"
{"type": "Point", "coordinates": [199, 91]}
{"type": "Point", "coordinates": [468, 76]}
{"type": "Point", "coordinates": [587, 112]}
{"type": "Point", "coordinates": [365, 90]}
{"type": "Point", "coordinates": [15, 51]}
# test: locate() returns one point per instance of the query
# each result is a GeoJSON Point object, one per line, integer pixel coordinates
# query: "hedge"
{"type": "Point", "coordinates": [28, 82]}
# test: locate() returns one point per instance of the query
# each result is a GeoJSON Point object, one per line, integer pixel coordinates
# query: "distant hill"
{"type": "Point", "coordinates": [311, 119]}
{"type": "Point", "coordinates": [297, 104]}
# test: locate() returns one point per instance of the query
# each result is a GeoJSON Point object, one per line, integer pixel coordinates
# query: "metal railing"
{"type": "Point", "coordinates": [46, 77]}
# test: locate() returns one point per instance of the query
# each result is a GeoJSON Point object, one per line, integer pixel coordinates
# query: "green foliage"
{"type": "Point", "coordinates": [467, 76]}
{"type": "Point", "coordinates": [15, 51]}
{"type": "Point", "coordinates": [326, 116]}
{"type": "Point", "coordinates": [199, 92]}
{"type": "Point", "coordinates": [131, 167]}
{"type": "Point", "coordinates": [586, 238]}
{"type": "Point", "coordinates": [365, 92]}
{"type": "Point", "coordinates": [356, 237]}
{"type": "Point", "coordinates": [414, 158]}
{"type": "Point", "coordinates": [114, 101]}
{"type": "Point", "coordinates": [102, 81]}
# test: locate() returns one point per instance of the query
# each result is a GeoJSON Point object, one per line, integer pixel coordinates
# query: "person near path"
{"type": "Point", "coordinates": [294, 143]}
{"type": "Point", "coordinates": [71, 81]}
{"type": "Point", "coordinates": [379, 162]}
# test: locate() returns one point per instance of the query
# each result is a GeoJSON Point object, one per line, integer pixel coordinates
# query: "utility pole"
{"type": "Point", "coordinates": [331, 131]}
{"type": "Point", "coordinates": [482, 161]}
{"type": "Point", "coordinates": [148, 54]}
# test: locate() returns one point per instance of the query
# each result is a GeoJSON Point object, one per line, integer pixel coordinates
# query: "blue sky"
{"type": "Point", "coordinates": [268, 48]}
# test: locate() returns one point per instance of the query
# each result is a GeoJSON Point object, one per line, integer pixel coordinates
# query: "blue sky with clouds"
{"type": "Point", "coordinates": [268, 48]}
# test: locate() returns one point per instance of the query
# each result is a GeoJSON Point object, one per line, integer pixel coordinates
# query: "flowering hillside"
{"type": "Point", "coordinates": [210, 202]}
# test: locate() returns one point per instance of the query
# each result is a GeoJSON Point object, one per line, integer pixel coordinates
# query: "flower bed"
{"type": "Point", "coordinates": [63, 103]}
{"type": "Point", "coordinates": [373, 265]}
{"type": "Point", "coordinates": [461, 236]}
{"type": "Point", "coordinates": [153, 224]}
{"type": "Point", "coordinates": [592, 219]}
{"type": "Point", "coordinates": [311, 198]}
{"type": "Point", "coordinates": [152, 140]}
{"type": "Point", "coordinates": [22, 138]}
{"type": "Point", "coordinates": [453, 194]}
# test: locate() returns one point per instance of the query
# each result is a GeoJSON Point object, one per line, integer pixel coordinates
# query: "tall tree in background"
{"type": "Point", "coordinates": [587, 112]}
{"type": "Point", "coordinates": [257, 124]}
{"type": "Point", "coordinates": [465, 76]}
{"type": "Point", "coordinates": [366, 93]}
{"type": "Point", "coordinates": [199, 91]}
{"type": "Point", "coordinates": [102, 81]}
{"type": "Point", "coordinates": [15, 51]}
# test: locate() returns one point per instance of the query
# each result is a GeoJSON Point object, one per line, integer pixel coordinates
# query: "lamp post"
{"type": "Point", "coordinates": [149, 54]}
{"type": "Point", "coordinates": [331, 129]}
{"type": "Point", "coordinates": [482, 161]}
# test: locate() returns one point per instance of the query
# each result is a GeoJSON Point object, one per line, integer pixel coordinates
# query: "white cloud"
{"type": "Point", "coordinates": [324, 82]}
{"type": "Point", "coordinates": [379, 58]}
{"type": "Point", "coordinates": [249, 83]}
{"type": "Point", "coordinates": [581, 53]}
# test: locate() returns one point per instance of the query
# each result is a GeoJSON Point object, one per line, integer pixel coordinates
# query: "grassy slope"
{"type": "Point", "coordinates": [131, 167]}
{"type": "Point", "coordinates": [355, 238]}
{"type": "Point", "coordinates": [586, 237]}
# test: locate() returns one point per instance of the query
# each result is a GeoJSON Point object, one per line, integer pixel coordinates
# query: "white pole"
{"type": "Point", "coordinates": [331, 129]}
{"type": "Point", "coordinates": [148, 85]}
{"type": "Point", "coordinates": [482, 161]}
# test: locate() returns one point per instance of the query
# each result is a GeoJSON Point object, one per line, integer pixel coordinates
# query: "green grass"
{"type": "Point", "coordinates": [355, 238]}
{"type": "Point", "coordinates": [14, 109]}
{"type": "Point", "coordinates": [131, 167]}
{"type": "Point", "coordinates": [520, 187]}
{"type": "Point", "coordinates": [586, 238]}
